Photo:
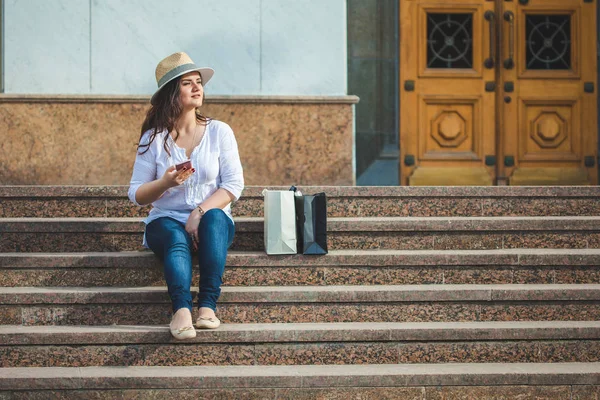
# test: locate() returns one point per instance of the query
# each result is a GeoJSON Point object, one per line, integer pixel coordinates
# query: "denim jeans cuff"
{"type": "Point", "coordinates": [177, 304]}
{"type": "Point", "coordinates": [207, 304]}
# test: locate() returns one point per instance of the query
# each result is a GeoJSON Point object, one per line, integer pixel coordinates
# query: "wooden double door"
{"type": "Point", "coordinates": [498, 92]}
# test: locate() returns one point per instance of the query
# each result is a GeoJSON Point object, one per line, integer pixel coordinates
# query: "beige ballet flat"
{"type": "Point", "coordinates": [187, 332]}
{"type": "Point", "coordinates": [208, 323]}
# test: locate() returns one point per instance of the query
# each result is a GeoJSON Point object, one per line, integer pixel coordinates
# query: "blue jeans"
{"type": "Point", "coordinates": [168, 239]}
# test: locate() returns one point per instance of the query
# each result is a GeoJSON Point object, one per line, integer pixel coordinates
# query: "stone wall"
{"type": "Point", "coordinates": [74, 140]}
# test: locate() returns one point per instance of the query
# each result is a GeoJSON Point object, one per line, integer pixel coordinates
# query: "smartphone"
{"type": "Point", "coordinates": [186, 164]}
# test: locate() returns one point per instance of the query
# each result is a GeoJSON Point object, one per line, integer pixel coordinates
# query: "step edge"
{"type": "Point", "coordinates": [399, 375]}
{"type": "Point", "coordinates": [311, 294]}
{"type": "Point", "coordinates": [19, 335]}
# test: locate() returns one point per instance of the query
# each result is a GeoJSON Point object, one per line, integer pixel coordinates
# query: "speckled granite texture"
{"type": "Point", "coordinates": [337, 268]}
{"type": "Point", "coordinates": [90, 295]}
{"type": "Point", "coordinates": [279, 143]}
{"type": "Point", "coordinates": [342, 393]}
{"type": "Point", "coordinates": [97, 306]}
{"type": "Point", "coordinates": [313, 294]}
{"type": "Point", "coordinates": [156, 314]}
{"type": "Point", "coordinates": [299, 354]}
{"type": "Point", "coordinates": [250, 241]}
{"type": "Point", "coordinates": [300, 276]}
{"type": "Point", "coordinates": [305, 333]}
{"type": "Point", "coordinates": [413, 233]}
{"type": "Point", "coordinates": [111, 201]}
{"type": "Point", "coordinates": [416, 381]}
{"type": "Point", "coordinates": [558, 392]}
{"type": "Point", "coordinates": [500, 392]}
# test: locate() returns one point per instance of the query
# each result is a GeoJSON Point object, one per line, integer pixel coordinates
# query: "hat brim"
{"type": "Point", "coordinates": [205, 72]}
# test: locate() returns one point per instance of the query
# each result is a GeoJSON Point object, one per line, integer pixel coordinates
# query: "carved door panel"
{"type": "Point", "coordinates": [498, 92]}
{"type": "Point", "coordinates": [548, 126]}
{"type": "Point", "coordinates": [447, 100]}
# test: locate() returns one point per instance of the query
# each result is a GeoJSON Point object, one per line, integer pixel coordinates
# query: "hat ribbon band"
{"type": "Point", "coordinates": [175, 72]}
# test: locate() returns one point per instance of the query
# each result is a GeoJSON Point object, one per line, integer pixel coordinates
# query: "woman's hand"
{"type": "Point", "coordinates": [172, 177]}
{"type": "Point", "coordinates": [191, 227]}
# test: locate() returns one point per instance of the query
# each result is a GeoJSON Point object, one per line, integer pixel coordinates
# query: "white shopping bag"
{"type": "Point", "coordinates": [280, 222]}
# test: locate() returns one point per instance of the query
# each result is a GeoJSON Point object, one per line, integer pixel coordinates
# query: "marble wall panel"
{"type": "Point", "coordinates": [291, 47]}
{"type": "Point", "coordinates": [130, 38]}
{"type": "Point", "coordinates": [46, 46]}
{"type": "Point", "coordinates": [303, 47]}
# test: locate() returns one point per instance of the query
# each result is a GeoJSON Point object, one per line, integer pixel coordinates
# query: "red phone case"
{"type": "Point", "coordinates": [184, 164]}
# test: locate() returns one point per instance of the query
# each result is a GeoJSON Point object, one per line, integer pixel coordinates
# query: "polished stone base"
{"type": "Point", "coordinates": [92, 140]}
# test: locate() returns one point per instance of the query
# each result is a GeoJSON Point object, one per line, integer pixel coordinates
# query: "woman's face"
{"type": "Point", "coordinates": [190, 90]}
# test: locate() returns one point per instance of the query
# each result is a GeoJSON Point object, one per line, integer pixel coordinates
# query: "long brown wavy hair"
{"type": "Point", "coordinates": [163, 114]}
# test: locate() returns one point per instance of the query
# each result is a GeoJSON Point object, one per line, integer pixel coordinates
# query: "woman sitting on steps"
{"type": "Point", "coordinates": [191, 210]}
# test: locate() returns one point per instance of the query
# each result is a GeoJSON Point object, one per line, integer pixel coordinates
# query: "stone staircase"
{"type": "Point", "coordinates": [427, 293]}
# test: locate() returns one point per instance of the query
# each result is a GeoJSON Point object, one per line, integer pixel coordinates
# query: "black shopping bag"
{"type": "Point", "coordinates": [311, 223]}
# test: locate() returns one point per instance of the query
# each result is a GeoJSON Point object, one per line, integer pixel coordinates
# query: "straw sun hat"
{"type": "Point", "coordinates": [176, 65]}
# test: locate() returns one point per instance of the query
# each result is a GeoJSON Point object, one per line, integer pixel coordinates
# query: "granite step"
{"type": "Point", "coordinates": [302, 344]}
{"type": "Point", "coordinates": [111, 201]}
{"type": "Point", "coordinates": [272, 304]}
{"type": "Point", "coordinates": [557, 381]}
{"type": "Point", "coordinates": [339, 267]}
{"type": "Point", "coordinates": [412, 233]}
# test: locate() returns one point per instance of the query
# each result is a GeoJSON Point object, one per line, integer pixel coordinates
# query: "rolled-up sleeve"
{"type": "Point", "coordinates": [230, 166]}
{"type": "Point", "coordinates": [144, 171]}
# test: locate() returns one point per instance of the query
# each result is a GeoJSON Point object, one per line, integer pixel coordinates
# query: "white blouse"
{"type": "Point", "coordinates": [217, 163]}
